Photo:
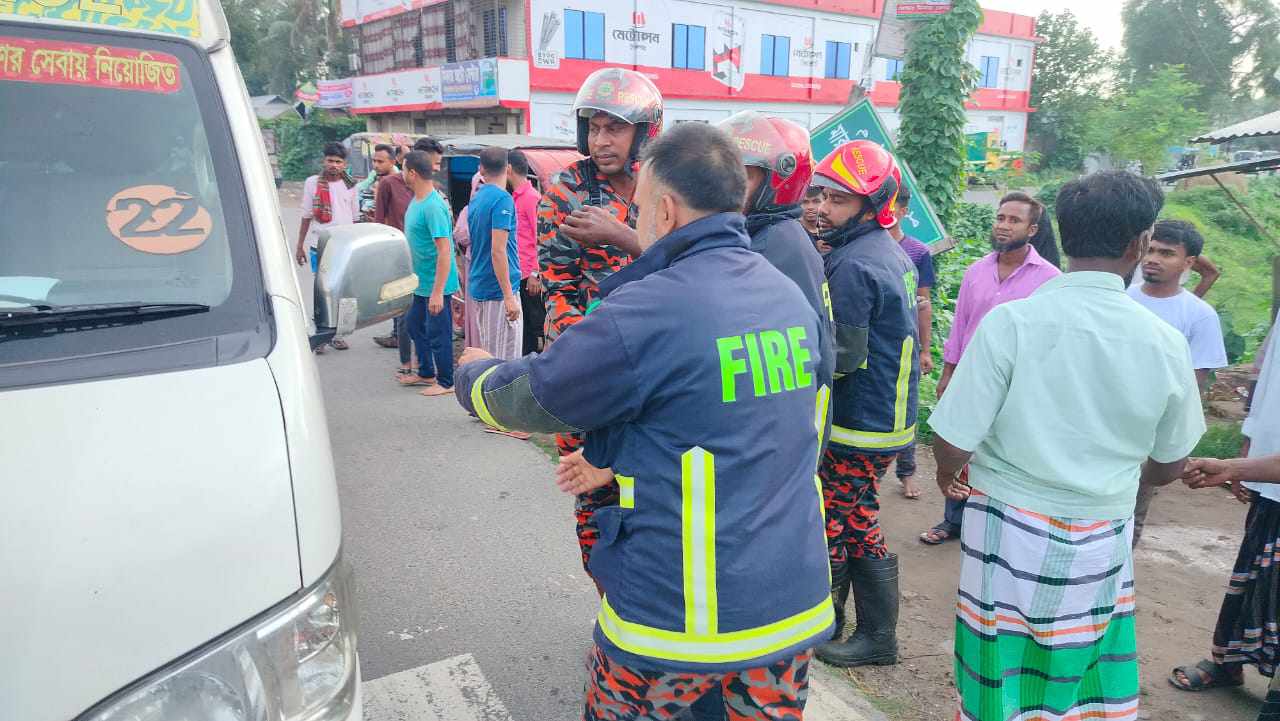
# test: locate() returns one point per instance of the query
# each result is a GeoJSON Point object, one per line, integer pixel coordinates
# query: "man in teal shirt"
{"type": "Point", "coordinates": [1064, 403]}
{"type": "Point", "coordinates": [429, 230]}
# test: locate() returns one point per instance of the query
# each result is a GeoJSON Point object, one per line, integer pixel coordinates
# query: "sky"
{"type": "Point", "coordinates": [1101, 16]}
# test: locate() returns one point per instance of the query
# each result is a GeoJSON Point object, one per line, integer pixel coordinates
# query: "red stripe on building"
{"type": "Point", "coordinates": [1008, 25]}
{"type": "Point", "coordinates": [887, 94]}
{"type": "Point", "coordinates": [860, 8]}
{"type": "Point", "coordinates": [699, 84]}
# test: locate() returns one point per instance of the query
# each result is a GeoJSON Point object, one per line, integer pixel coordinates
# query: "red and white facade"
{"type": "Point", "coordinates": [552, 45]}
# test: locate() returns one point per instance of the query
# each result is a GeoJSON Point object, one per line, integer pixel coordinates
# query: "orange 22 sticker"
{"type": "Point", "coordinates": [158, 219]}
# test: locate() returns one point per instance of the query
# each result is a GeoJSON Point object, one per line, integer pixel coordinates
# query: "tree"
{"type": "Point", "coordinates": [1258, 31]}
{"type": "Point", "coordinates": [1194, 33]}
{"type": "Point", "coordinates": [280, 44]}
{"type": "Point", "coordinates": [1231, 48]}
{"type": "Point", "coordinates": [1069, 77]}
{"type": "Point", "coordinates": [936, 82]}
{"type": "Point", "coordinates": [1142, 123]}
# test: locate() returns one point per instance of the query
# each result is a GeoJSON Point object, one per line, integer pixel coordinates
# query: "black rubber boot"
{"type": "Point", "coordinates": [839, 595]}
{"type": "Point", "coordinates": [875, 597]}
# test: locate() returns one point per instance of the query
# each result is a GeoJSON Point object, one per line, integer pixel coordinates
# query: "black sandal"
{"type": "Point", "coordinates": [1204, 675]}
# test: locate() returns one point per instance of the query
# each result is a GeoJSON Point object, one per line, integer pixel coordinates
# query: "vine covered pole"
{"type": "Point", "coordinates": [936, 82]}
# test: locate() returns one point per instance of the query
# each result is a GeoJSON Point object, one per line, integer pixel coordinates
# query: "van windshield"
{"type": "Point", "coordinates": [119, 187]}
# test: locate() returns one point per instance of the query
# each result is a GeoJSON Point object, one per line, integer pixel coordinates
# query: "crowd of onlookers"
{"type": "Point", "coordinates": [477, 274]}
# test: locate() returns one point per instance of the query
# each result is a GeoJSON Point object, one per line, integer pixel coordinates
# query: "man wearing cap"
{"type": "Point", "coordinates": [873, 298]}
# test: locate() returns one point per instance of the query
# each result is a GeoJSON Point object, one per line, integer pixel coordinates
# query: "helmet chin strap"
{"type": "Point", "coordinates": [760, 198]}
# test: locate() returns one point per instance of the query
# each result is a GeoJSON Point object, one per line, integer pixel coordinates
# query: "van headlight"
{"type": "Point", "coordinates": [295, 663]}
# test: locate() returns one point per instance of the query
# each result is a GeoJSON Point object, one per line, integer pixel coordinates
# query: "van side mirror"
{"type": "Point", "coordinates": [365, 277]}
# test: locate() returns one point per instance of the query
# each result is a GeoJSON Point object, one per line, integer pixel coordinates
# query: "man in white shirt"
{"type": "Point", "coordinates": [328, 199]}
{"type": "Point", "coordinates": [1175, 245]}
{"type": "Point", "coordinates": [1245, 632]}
{"type": "Point", "coordinates": [327, 205]}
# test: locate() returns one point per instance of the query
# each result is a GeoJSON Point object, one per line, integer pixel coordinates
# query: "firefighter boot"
{"type": "Point", "coordinates": [839, 594]}
{"type": "Point", "coordinates": [875, 598]}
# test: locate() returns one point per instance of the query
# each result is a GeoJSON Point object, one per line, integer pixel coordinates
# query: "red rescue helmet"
{"type": "Point", "coordinates": [780, 148]}
{"type": "Point", "coordinates": [862, 167]}
{"type": "Point", "coordinates": [626, 95]}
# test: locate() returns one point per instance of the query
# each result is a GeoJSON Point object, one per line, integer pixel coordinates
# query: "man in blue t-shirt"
{"type": "Point", "coordinates": [491, 220]}
{"type": "Point", "coordinates": [429, 230]}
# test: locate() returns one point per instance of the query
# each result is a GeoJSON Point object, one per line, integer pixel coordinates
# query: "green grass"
{"type": "Point", "coordinates": [1222, 440]}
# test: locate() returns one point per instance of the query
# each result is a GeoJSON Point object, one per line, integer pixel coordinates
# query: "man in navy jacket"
{"type": "Point", "coordinates": [714, 562]}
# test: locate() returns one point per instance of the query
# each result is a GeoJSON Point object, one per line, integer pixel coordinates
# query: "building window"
{"type": "Point", "coordinates": [495, 33]}
{"type": "Point", "coordinates": [990, 69]}
{"type": "Point", "coordinates": [893, 68]}
{"type": "Point", "coordinates": [583, 35]}
{"type": "Point", "coordinates": [838, 55]}
{"type": "Point", "coordinates": [688, 47]}
{"type": "Point", "coordinates": [775, 55]}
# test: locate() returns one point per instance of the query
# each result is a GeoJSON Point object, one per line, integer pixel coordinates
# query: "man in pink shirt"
{"type": "Point", "coordinates": [1012, 272]}
{"type": "Point", "coordinates": [527, 198]}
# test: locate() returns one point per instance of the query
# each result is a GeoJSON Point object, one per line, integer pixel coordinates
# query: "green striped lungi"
{"type": "Point", "coordinates": [1044, 621]}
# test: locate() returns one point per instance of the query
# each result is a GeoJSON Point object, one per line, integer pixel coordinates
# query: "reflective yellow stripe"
{"type": "Point", "coordinates": [626, 491]}
{"type": "Point", "coordinates": [904, 384]}
{"type": "Point", "coordinates": [872, 439]}
{"type": "Point", "coordinates": [741, 645]}
{"type": "Point", "coordinates": [698, 539]}
{"type": "Point", "coordinates": [820, 423]}
{"type": "Point", "coordinates": [477, 400]}
{"type": "Point", "coordinates": [820, 415]}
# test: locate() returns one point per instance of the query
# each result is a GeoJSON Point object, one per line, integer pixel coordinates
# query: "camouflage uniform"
{"type": "Point", "coordinates": [571, 274]}
{"type": "Point", "coordinates": [773, 693]}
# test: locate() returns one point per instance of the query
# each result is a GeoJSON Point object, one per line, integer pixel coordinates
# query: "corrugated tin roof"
{"type": "Point", "coordinates": [1265, 125]}
{"type": "Point", "coordinates": [1247, 166]}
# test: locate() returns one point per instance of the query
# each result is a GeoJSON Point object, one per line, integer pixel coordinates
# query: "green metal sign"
{"type": "Point", "coordinates": [861, 122]}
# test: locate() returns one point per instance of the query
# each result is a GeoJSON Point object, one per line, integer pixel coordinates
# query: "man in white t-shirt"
{"type": "Point", "coordinates": [328, 199]}
{"type": "Point", "coordinates": [1175, 245]}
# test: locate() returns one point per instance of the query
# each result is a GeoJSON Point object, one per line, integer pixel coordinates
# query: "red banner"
{"type": "Point", "coordinates": [102, 66]}
{"type": "Point", "coordinates": [927, 7]}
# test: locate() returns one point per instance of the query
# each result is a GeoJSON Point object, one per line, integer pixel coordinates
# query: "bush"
{"type": "Point", "coordinates": [971, 229]}
{"type": "Point", "coordinates": [1048, 194]}
{"type": "Point", "coordinates": [1220, 441]}
{"type": "Point", "coordinates": [299, 141]}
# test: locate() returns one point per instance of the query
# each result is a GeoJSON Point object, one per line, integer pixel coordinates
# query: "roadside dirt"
{"type": "Point", "coordinates": [1183, 563]}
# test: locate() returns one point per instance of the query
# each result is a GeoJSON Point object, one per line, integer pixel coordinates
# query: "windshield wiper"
{"type": "Point", "coordinates": [91, 315]}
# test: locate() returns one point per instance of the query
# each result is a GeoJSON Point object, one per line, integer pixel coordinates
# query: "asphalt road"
{"type": "Point", "coordinates": [460, 542]}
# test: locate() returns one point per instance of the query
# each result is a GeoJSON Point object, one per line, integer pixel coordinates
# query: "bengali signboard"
{"type": "Point", "coordinates": [40, 61]}
{"type": "Point", "coordinates": [177, 17]}
{"type": "Point", "coordinates": [469, 81]}
{"type": "Point", "coordinates": [334, 93]}
{"type": "Point", "coordinates": [407, 88]}
{"type": "Point", "coordinates": [861, 122]}
{"type": "Point", "coordinates": [891, 34]}
{"type": "Point", "coordinates": [925, 8]}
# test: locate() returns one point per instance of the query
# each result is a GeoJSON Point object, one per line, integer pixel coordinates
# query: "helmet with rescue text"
{"type": "Point", "coordinates": [866, 170]}
{"type": "Point", "coordinates": [778, 147]}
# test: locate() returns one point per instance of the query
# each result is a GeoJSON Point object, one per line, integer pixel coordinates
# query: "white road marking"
{"type": "Point", "coordinates": [456, 690]}
{"type": "Point", "coordinates": [450, 690]}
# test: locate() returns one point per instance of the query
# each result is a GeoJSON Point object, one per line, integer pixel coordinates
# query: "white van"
{"type": "Point", "coordinates": [169, 525]}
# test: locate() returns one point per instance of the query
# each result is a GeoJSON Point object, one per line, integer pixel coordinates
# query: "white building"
{"type": "Point", "coordinates": [478, 66]}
